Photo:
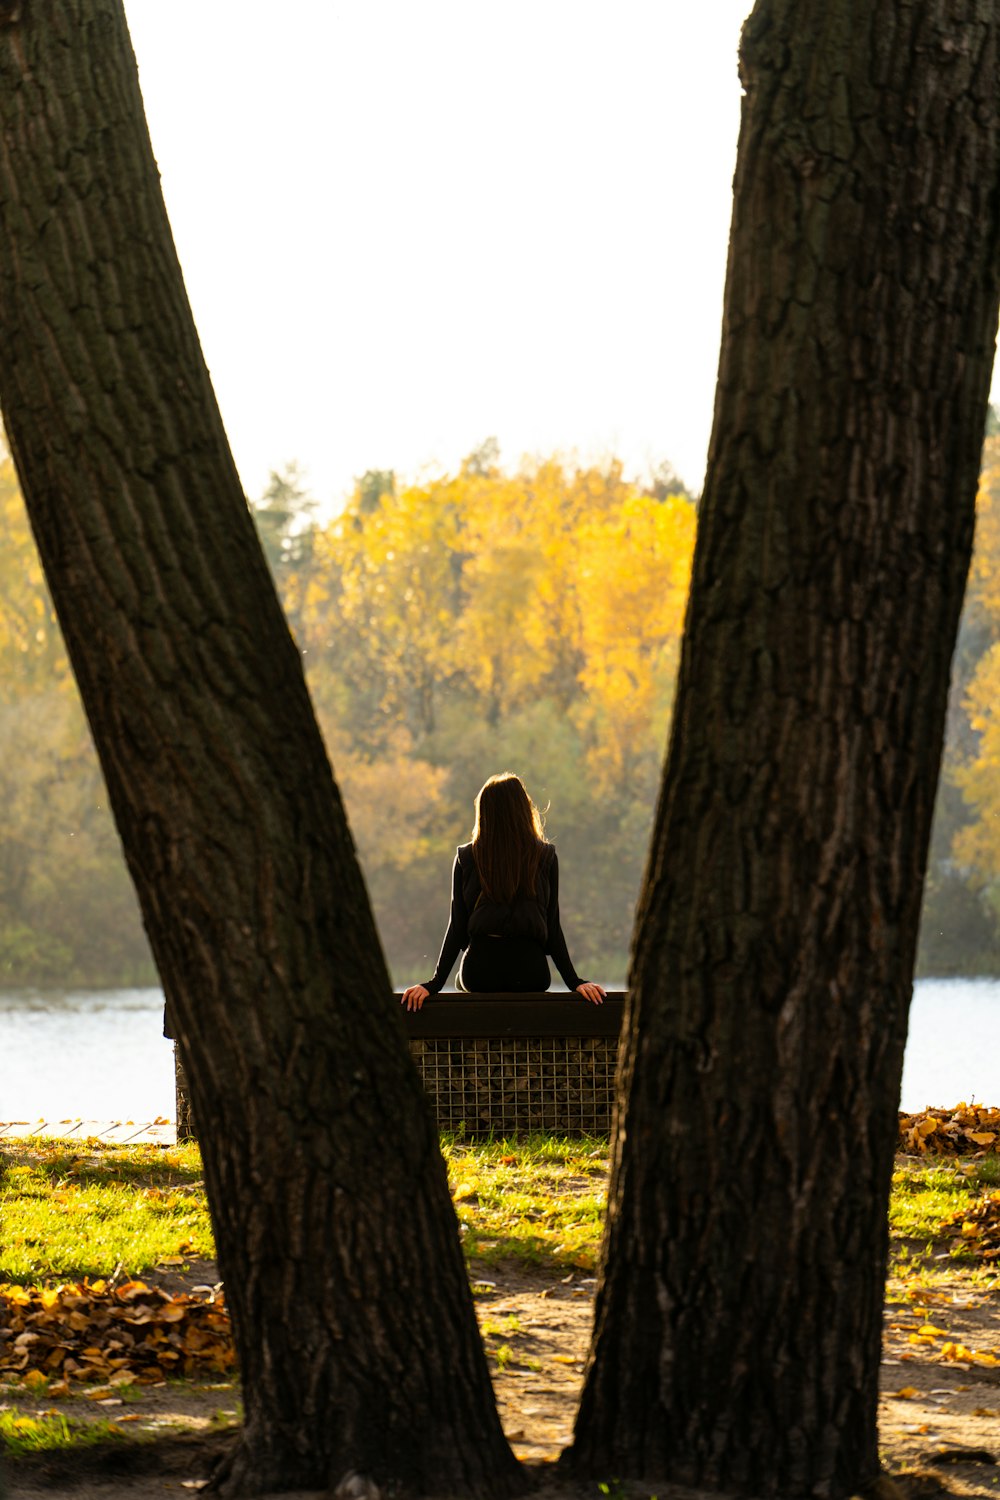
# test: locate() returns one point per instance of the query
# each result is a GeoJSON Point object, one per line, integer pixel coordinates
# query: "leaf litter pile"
{"type": "Point", "coordinates": [977, 1228]}
{"type": "Point", "coordinates": [966, 1130]}
{"type": "Point", "coordinates": [130, 1334]}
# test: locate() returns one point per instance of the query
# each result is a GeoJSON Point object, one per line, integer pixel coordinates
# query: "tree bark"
{"type": "Point", "coordinates": [336, 1237]}
{"type": "Point", "coordinates": [738, 1325]}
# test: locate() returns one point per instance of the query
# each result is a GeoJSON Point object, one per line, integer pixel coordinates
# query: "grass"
{"type": "Point", "coordinates": [926, 1193]}
{"type": "Point", "coordinates": [85, 1209]}
{"type": "Point", "coordinates": [21, 1434]}
{"type": "Point", "coordinates": [537, 1200]}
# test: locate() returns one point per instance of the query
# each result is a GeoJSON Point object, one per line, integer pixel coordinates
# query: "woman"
{"type": "Point", "coordinates": [504, 904]}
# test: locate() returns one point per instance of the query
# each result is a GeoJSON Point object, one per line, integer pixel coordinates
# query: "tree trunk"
{"type": "Point", "coordinates": [336, 1238]}
{"type": "Point", "coordinates": [738, 1326]}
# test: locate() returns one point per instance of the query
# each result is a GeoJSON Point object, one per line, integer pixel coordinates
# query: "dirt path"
{"type": "Point", "coordinates": [940, 1415]}
{"type": "Point", "coordinates": [939, 1403]}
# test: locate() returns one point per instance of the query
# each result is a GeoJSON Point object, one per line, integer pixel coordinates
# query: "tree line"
{"type": "Point", "coordinates": [492, 618]}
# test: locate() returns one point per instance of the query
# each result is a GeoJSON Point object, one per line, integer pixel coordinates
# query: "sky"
{"type": "Point", "coordinates": [407, 227]}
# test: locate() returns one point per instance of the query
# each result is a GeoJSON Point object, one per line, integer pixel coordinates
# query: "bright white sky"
{"type": "Point", "coordinates": [407, 225]}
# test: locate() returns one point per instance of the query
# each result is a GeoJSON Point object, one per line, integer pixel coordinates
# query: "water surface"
{"type": "Point", "coordinates": [100, 1055]}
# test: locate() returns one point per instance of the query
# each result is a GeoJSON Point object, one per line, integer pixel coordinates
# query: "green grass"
{"type": "Point", "coordinates": [21, 1434]}
{"type": "Point", "coordinates": [71, 1210]}
{"type": "Point", "coordinates": [539, 1200]}
{"type": "Point", "coordinates": [924, 1195]}
{"type": "Point", "coordinates": [80, 1209]}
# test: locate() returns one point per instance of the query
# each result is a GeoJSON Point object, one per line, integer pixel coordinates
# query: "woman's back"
{"type": "Point", "coordinates": [524, 915]}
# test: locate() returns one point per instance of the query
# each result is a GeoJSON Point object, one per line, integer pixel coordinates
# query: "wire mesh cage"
{"type": "Point", "coordinates": [515, 1084]}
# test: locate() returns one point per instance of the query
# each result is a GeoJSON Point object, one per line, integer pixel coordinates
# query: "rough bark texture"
{"type": "Point", "coordinates": [336, 1237]}
{"type": "Point", "coordinates": [738, 1323]}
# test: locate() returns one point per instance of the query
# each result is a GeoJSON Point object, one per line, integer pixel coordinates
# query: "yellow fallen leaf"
{"type": "Point", "coordinates": [907, 1393]}
{"type": "Point", "coordinates": [564, 1359]}
{"type": "Point", "coordinates": [35, 1380]}
{"type": "Point", "coordinates": [982, 1137]}
{"type": "Point", "coordinates": [929, 1331]}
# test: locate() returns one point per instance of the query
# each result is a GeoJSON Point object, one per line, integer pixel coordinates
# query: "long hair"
{"type": "Point", "coordinates": [508, 839]}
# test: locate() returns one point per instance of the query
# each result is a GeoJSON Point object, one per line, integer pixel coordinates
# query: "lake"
{"type": "Point", "coordinates": [100, 1055]}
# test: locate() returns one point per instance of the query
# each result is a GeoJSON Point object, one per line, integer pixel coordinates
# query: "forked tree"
{"type": "Point", "coordinates": [738, 1326]}
{"type": "Point", "coordinates": [350, 1303]}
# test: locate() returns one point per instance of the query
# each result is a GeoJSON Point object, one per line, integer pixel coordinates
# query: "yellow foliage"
{"type": "Point", "coordinates": [984, 572]}
{"type": "Point", "coordinates": [393, 801]}
{"type": "Point", "coordinates": [31, 649]}
{"type": "Point", "coordinates": [977, 846]}
{"type": "Point", "coordinates": [503, 589]}
{"type": "Point", "coordinates": [634, 572]}
{"type": "Point", "coordinates": [391, 579]}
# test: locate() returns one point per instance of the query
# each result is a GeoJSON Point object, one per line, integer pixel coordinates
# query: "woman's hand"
{"type": "Point", "coordinates": [591, 992]}
{"type": "Point", "coordinates": [414, 997]}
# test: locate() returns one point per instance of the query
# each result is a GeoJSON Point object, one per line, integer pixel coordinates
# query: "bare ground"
{"type": "Point", "coordinates": [940, 1415]}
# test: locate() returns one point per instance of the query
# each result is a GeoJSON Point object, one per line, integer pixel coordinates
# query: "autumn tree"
{"type": "Point", "coordinates": [491, 617]}
{"type": "Point", "coordinates": [738, 1321]}
{"type": "Point", "coordinates": [351, 1308]}
{"type": "Point", "coordinates": [391, 603]}
{"type": "Point", "coordinates": [67, 908]}
{"type": "Point", "coordinates": [975, 767]}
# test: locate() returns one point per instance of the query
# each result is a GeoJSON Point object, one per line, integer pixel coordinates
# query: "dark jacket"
{"type": "Point", "coordinates": [474, 915]}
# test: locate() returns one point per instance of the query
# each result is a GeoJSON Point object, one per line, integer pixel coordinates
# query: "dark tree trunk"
{"type": "Point", "coordinates": [350, 1304]}
{"type": "Point", "coordinates": [738, 1321]}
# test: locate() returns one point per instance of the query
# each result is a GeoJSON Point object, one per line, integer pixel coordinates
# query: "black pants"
{"type": "Point", "coordinates": [504, 966]}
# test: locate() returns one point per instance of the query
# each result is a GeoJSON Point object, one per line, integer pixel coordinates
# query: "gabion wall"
{"type": "Point", "coordinates": [513, 1084]}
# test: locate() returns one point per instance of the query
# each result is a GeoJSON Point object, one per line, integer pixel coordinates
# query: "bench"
{"type": "Point", "coordinates": [505, 1064]}
{"type": "Point", "coordinates": [508, 1064]}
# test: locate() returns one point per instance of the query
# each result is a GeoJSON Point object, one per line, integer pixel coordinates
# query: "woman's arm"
{"type": "Point", "coordinates": [455, 939]}
{"type": "Point", "coordinates": [557, 943]}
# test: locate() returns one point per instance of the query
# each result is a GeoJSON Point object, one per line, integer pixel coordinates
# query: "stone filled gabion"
{"type": "Point", "coordinates": [512, 1085]}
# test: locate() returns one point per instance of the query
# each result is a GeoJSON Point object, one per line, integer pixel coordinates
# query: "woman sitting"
{"type": "Point", "coordinates": [504, 904]}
